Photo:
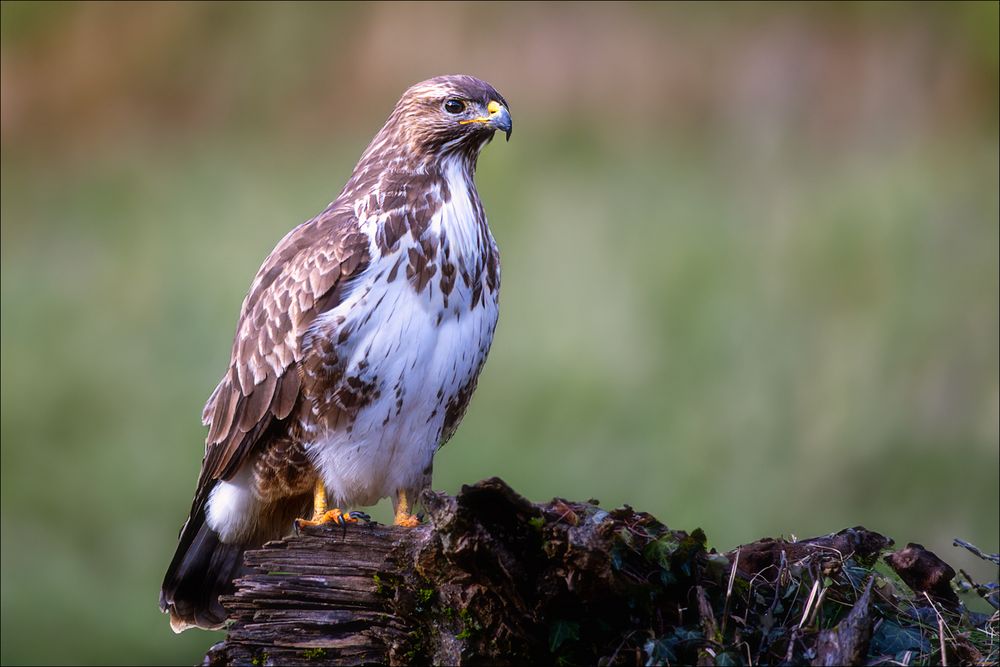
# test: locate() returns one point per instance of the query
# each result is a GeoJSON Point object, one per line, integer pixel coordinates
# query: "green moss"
{"type": "Point", "coordinates": [470, 626]}
{"type": "Point", "coordinates": [385, 586]}
{"type": "Point", "coordinates": [313, 653]}
{"type": "Point", "coordinates": [417, 641]}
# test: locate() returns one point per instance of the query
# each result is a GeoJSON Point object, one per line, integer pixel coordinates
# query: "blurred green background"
{"type": "Point", "coordinates": [750, 260]}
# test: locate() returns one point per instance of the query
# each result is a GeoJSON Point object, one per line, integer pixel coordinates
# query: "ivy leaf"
{"type": "Point", "coordinates": [616, 558]}
{"type": "Point", "coordinates": [660, 652]}
{"type": "Point", "coordinates": [726, 659]}
{"type": "Point", "coordinates": [562, 632]}
{"type": "Point", "coordinates": [894, 639]}
{"type": "Point", "coordinates": [660, 550]}
{"type": "Point", "coordinates": [682, 634]}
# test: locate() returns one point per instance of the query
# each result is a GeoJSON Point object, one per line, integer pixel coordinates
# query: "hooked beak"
{"type": "Point", "coordinates": [498, 119]}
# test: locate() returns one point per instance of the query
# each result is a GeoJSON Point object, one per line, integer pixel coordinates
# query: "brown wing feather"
{"type": "Point", "coordinates": [300, 279]}
{"type": "Point", "coordinates": [285, 395]}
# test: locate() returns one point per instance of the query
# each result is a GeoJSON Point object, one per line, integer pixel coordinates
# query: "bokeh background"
{"type": "Point", "coordinates": [750, 267]}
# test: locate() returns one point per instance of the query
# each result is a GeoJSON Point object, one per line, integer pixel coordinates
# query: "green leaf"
{"type": "Point", "coordinates": [663, 651]}
{"type": "Point", "coordinates": [616, 558]}
{"type": "Point", "coordinates": [659, 652]}
{"type": "Point", "coordinates": [894, 639]}
{"type": "Point", "coordinates": [682, 634]}
{"type": "Point", "coordinates": [660, 550]}
{"type": "Point", "coordinates": [726, 659]}
{"type": "Point", "coordinates": [562, 632]}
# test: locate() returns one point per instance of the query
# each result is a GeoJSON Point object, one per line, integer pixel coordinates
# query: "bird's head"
{"type": "Point", "coordinates": [449, 114]}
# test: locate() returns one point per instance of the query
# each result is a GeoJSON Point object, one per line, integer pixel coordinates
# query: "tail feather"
{"type": "Point", "coordinates": [203, 568]}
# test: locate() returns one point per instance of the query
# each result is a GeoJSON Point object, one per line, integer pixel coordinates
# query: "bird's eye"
{"type": "Point", "coordinates": [454, 106]}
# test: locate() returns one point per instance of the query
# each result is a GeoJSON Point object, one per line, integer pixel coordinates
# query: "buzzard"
{"type": "Point", "coordinates": [357, 349]}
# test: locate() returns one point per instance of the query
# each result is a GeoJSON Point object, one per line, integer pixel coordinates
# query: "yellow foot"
{"type": "Point", "coordinates": [333, 516]}
{"type": "Point", "coordinates": [321, 515]}
{"type": "Point", "coordinates": [403, 516]}
{"type": "Point", "coordinates": [406, 520]}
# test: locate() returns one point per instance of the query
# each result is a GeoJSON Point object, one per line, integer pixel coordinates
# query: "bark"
{"type": "Point", "coordinates": [492, 578]}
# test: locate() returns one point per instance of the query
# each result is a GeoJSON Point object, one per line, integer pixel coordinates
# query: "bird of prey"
{"type": "Point", "coordinates": [358, 347]}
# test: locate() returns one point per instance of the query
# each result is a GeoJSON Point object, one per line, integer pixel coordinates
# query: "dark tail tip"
{"type": "Point", "coordinates": [203, 568]}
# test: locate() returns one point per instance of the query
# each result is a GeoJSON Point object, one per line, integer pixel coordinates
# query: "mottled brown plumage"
{"type": "Point", "coordinates": [358, 346]}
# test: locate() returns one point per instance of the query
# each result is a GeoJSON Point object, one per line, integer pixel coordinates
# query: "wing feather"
{"type": "Point", "coordinates": [221, 415]}
{"type": "Point", "coordinates": [301, 278]}
{"type": "Point", "coordinates": [258, 401]}
{"type": "Point", "coordinates": [285, 395]}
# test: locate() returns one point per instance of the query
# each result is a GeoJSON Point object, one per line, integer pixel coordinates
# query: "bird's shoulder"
{"type": "Point", "coordinates": [297, 282]}
{"type": "Point", "coordinates": [303, 277]}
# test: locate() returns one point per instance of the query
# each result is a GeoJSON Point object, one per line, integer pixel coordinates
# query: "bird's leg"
{"type": "Point", "coordinates": [319, 499]}
{"type": "Point", "coordinates": [322, 515]}
{"type": "Point", "coordinates": [403, 516]}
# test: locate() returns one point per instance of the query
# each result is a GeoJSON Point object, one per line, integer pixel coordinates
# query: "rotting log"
{"type": "Point", "coordinates": [492, 578]}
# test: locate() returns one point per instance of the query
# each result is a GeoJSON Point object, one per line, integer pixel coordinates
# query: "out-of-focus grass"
{"type": "Point", "coordinates": [753, 359]}
{"type": "Point", "coordinates": [741, 320]}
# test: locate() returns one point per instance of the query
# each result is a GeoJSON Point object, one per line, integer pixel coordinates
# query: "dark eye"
{"type": "Point", "coordinates": [454, 106]}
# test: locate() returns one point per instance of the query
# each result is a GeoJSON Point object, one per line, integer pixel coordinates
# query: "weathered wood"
{"type": "Point", "coordinates": [924, 572]}
{"type": "Point", "coordinates": [847, 644]}
{"type": "Point", "coordinates": [315, 596]}
{"type": "Point", "coordinates": [763, 558]}
{"type": "Point", "coordinates": [492, 578]}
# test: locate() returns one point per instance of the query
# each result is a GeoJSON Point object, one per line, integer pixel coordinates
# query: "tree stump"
{"type": "Point", "coordinates": [492, 578]}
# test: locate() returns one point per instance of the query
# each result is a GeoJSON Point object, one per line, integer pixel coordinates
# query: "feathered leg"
{"type": "Point", "coordinates": [403, 507]}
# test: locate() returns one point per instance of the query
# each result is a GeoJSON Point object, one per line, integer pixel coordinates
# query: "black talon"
{"type": "Point", "coordinates": [357, 516]}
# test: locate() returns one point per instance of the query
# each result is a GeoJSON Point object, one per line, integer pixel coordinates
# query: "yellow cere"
{"type": "Point", "coordinates": [493, 107]}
